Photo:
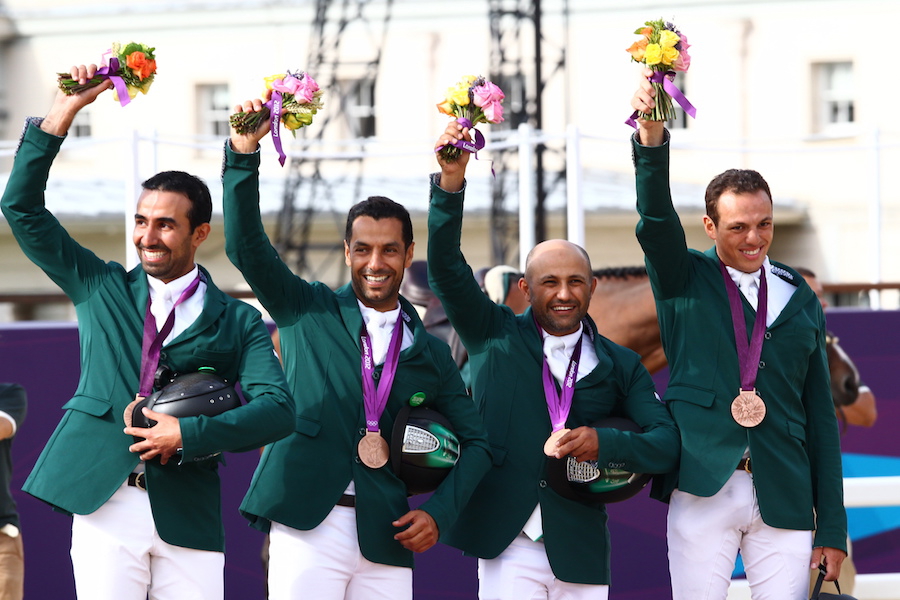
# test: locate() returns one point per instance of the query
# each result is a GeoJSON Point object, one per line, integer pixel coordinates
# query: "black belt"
{"type": "Point", "coordinates": [744, 465]}
{"type": "Point", "coordinates": [138, 480]}
{"type": "Point", "coordinates": [347, 500]}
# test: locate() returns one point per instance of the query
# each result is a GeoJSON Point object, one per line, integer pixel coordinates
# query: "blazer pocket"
{"type": "Point", "coordinates": [797, 430]}
{"type": "Point", "coordinates": [307, 426]}
{"type": "Point", "coordinates": [96, 407]}
{"type": "Point", "coordinates": [214, 356]}
{"type": "Point", "coordinates": [694, 395]}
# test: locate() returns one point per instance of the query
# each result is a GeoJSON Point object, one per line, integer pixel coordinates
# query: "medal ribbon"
{"type": "Point", "coordinates": [750, 351]}
{"type": "Point", "coordinates": [153, 341]}
{"type": "Point", "coordinates": [374, 400]}
{"type": "Point", "coordinates": [560, 401]}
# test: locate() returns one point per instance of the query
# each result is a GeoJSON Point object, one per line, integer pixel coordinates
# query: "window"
{"type": "Point", "coordinates": [834, 96]}
{"type": "Point", "coordinates": [214, 110]}
{"type": "Point", "coordinates": [359, 107]}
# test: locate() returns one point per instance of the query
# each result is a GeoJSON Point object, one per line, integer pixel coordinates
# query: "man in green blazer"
{"type": "Point", "coordinates": [748, 386]}
{"type": "Point", "coordinates": [146, 520]}
{"type": "Point", "coordinates": [339, 522]}
{"type": "Point", "coordinates": [530, 540]}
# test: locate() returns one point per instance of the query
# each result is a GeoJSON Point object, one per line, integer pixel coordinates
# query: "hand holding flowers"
{"type": "Point", "coordinates": [663, 49]}
{"type": "Point", "coordinates": [132, 69]}
{"type": "Point", "coordinates": [293, 99]}
{"type": "Point", "coordinates": [472, 100]}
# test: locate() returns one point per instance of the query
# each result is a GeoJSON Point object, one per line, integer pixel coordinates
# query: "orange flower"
{"type": "Point", "coordinates": [638, 49]}
{"type": "Point", "coordinates": [445, 107]}
{"type": "Point", "coordinates": [140, 65]}
{"type": "Point", "coordinates": [646, 31]}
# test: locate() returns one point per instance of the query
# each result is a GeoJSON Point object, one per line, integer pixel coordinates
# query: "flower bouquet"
{"type": "Point", "coordinates": [132, 69]}
{"type": "Point", "coordinates": [665, 50]}
{"type": "Point", "coordinates": [472, 101]}
{"type": "Point", "coordinates": [295, 98]}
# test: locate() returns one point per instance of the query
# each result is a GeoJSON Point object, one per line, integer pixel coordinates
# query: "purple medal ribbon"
{"type": "Point", "coordinates": [671, 89]}
{"type": "Point", "coordinates": [110, 66]}
{"type": "Point", "coordinates": [374, 400]}
{"type": "Point", "coordinates": [748, 352]}
{"type": "Point", "coordinates": [559, 402]}
{"type": "Point", "coordinates": [153, 341]}
{"type": "Point", "coordinates": [274, 106]}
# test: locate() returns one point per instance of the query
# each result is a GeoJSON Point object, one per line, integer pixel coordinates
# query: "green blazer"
{"type": "Point", "coordinates": [320, 344]}
{"type": "Point", "coordinates": [506, 353]}
{"type": "Point", "coordinates": [88, 444]}
{"type": "Point", "coordinates": [795, 450]}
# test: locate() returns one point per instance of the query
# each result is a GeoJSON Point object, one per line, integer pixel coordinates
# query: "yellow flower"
{"type": "Point", "coordinates": [271, 79]}
{"type": "Point", "coordinates": [668, 39]}
{"type": "Point", "coordinates": [459, 94]}
{"type": "Point", "coordinates": [295, 121]}
{"type": "Point", "coordinates": [653, 54]}
{"type": "Point", "coordinates": [669, 55]}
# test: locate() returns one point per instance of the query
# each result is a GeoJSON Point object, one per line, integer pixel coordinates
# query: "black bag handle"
{"type": "Point", "coordinates": [819, 581]}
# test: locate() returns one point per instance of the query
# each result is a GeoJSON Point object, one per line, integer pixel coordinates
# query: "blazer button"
{"type": "Point", "coordinates": [768, 335]}
{"type": "Point", "coordinates": [762, 364]}
{"type": "Point", "coordinates": [376, 375]}
{"type": "Point", "coordinates": [162, 356]}
{"type": "Point", "coordinates": [542, 483]}
{"type": "Point", "coordinates": [362, 431]}
{"type": "Point", "coordinates": [356, 459]}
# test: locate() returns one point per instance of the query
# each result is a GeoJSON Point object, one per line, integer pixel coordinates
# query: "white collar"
{"type": "Point", "coordinates": [369, 314]}
{"type": "Point", "coordinates": [735, 274]}
{"type": "Point", "coordinates": [174, 288]}
{"type": "Point", "coordinates": [570, 339]}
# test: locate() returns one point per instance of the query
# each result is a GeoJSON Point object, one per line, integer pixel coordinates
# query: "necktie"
{"type": "Point", "coordinates": [555, 351]}
{"type": "Point", "coordinates": [749, 288]}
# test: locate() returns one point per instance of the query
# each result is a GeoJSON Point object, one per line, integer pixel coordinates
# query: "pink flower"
{"type": "Point", "coordinates": [493, 111]}
{"type": "Point", "coordinates": [487, 94]}
{"type": "Point", "coordinates": [301, 89]}
{"type": "Point", "coordinates": [683, 62]}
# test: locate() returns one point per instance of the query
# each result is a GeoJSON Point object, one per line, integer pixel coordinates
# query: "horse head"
{"type": "Point", "coordinates": [844, 375]}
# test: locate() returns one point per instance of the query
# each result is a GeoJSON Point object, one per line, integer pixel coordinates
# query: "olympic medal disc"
{"type": "Point", "coordinates": [373, 450]}
{"type": "Point", "coordinates": [748, 409]}
{"type": "Point", "coordinates": [550, 446]}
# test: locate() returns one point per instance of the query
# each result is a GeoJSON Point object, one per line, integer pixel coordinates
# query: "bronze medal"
{"type": "Point", "coordinates": [550, 446]}
{"type": "Point", "coordinates": [129, 410]}
{"type": "Point", "coordinates": [748, 409]}
{"type": "Point", "coordinates": [373, 450]}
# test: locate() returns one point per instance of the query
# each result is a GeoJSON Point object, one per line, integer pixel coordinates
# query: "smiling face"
{"type": "Point", "coordinates": [559, 284]}
{"type": "Point", "coordinates": [744, 230]}
{"type": "Point", "coordinates": [162, 234]}
{"type": "Point", "coordinates": [377, 258]}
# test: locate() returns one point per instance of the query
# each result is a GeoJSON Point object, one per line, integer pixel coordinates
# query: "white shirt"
{"type": "Point", "coordinates": [380, 326]}
{"type": "Point", "coordinates": [164, 295]}
{"type": "Point", "coordinates": [559, 362]}
{"type": "Point", "coordinates": [778, 291]}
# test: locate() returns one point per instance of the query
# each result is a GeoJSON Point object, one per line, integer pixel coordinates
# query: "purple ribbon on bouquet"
{"type": "Point", "coordinates": [274, 106]}
{"type": "Point", "coordinates": [672, 90]}
{"type": "Point", "coordinates": [474, 146]}
{"type": "Point", "coordinates": [108, 70]}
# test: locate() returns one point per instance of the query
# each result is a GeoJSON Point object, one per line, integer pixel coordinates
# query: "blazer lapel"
{"type": "Point", "coordinates": [213, 307]}
{"type": "Point", "coordinates": [350, 314]}
{"type": "Point", "coordinates": [604, 362]}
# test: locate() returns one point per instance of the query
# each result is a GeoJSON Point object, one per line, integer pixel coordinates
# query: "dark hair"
{"type": "Point", "coordinates": [192, 187]}
{"type": "Point", "coordinates": [806, 272]}
{"type": "Point", "coordinates": [379, 207]}
{"type": "Point", "coordinates": [736, 181]}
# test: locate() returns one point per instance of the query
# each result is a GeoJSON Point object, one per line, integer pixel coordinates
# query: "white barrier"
{"type": "Point", "coordinates": [858, 492]}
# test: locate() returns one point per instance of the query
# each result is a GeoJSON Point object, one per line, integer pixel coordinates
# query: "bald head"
{"type": "Point", "coordinates": [559, 283]}
{"type": "Point", "coordinates": [557, 249]}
